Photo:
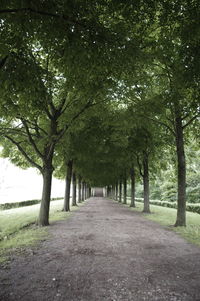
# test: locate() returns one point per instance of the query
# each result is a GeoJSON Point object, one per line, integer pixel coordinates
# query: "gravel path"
{"type": "Point", "coordinates": [105, 251]}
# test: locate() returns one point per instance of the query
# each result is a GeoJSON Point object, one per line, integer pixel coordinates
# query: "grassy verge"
{"type": "Point", "coordinates": [167, 217]}
{"type": "Point", "coordinates": [18, 229]}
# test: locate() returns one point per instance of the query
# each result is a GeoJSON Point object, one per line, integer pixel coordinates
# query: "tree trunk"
{"type": "Point", "coordinates": [79, 189]}
{"type": "Point", "coordinates": [108, 194]}
{"type": "Point", "coordinates": [85, 190]}
{"type": "Point", "coordinates": [74, 189]}
{"type": "Point", "coordinates": [90, 192]}
{"type": "Point", "coordinates": [181, 208]}
{"type": "Point", "coordinates": [112, 192]}
{"type": "Point", "coordinates": [43, 219]}
{"type": "Point", "coordinates": [116, 192]}
{"type": "Point", "coordinates": [82, 191]}
{"type": "Point", "coordinates": [132, 172]}
{"type": "Point", "coordinates": [146, 208]}
{"type": "Point", "coordinates": [120, 190]}
{"type": "Point", "coordinates": [66, 206]}
{"type": "Point", "coordinates": [125, 190]}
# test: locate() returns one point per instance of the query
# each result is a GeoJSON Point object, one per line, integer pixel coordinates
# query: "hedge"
{"type": "Point", "coordinates": [6, 206]}
{"type": "Point", "coordinates": [192, 207]}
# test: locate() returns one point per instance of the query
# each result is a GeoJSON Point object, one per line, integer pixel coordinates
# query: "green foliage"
{"type": "Point", "coordinates": [164, 187]}
{"type": "Point", "coordinates": [6, 206]}
{"type": "Point", "coordinates": [101, 83]}
{"type": "Point", "coordinates": [189, 207]}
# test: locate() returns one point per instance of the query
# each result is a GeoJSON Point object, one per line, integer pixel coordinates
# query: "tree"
{"type": "Point", "coordinates": [132, 176]}
{"type": "Point", "coordinates": [68, 178]}
{"type": "Point", "coordinates": [36, 129]}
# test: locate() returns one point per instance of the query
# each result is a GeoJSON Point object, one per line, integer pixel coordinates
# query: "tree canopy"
{"type": "Point", "coordinates": [107, 85]}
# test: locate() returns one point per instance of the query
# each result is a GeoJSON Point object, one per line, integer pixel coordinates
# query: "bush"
{"type": "Point", "coordinates": [139, 190]}
{"type": "Point", "coordinates": [6, 206]}
{"type": "Point", "coordinates": [193, 208]}
{"type": "Point", "coordinates": [170, 194]}
{"type": "Point", "coordinates": [189, 207]}
{"type": "Point", "coordinates": [193, 194]}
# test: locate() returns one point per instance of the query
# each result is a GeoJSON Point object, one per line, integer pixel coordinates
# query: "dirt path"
{"type": "Point", "coordinates": [104, 251]}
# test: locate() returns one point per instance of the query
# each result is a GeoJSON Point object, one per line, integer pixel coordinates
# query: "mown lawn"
{"type": "Point", "coordinates": [167, 217]}
{"type": "Point", "coordinates": [18, 229]}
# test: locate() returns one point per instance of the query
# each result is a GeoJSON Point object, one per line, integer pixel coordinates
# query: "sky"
{"type": "Point", "coordinates": [17, 184]}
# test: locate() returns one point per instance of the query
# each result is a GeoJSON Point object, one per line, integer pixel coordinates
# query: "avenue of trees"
{"type": "Point", "coordinates": [100, 93]}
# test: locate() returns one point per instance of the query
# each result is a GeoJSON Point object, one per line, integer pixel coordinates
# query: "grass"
{"type": "Point", "coordinates": [18, 229]}
{"type": "Point", "coordinates": [167, 217]}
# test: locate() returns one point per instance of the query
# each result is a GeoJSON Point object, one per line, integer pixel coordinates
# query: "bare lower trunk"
{"type": "Point", "coordinates": [113, 192]}
{"type": "Point", "coordinates": [146, 208]}
{"type": "Point", "coordinates": [79, 189]}
{"type": "Point", "coordinates": [87, 191]}
{"type": "Point", "coordinates": [83, 191]}
{"type": "Point", "coordinates": [116, 192]}
{"type": "Point", "coordinates": [132, 172]}
{"type": "Point", "coordinates": [66, 206]}
{"type": "Point", "coordinates": [125, 190]}
{"type": "Point", "coordinates": [181, 208]}
{"type": "Point", "coordinates": [43, 219]}
{"type": "Point", "coordinates": [74, 189]}
{"type": "Point", "coordinates": [120, 190]}
{"type": "Point", "coordinates": [108, 191]}
{"type": "Point", "coordinates": [90, 192]}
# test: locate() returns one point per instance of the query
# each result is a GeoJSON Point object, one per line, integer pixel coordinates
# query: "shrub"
{"type": "Point", "coordinates": [193, 194]}
{"type": "Point", "coordinates": [6, 206]}
{"type": "Point", "coordinates": [189, 207]}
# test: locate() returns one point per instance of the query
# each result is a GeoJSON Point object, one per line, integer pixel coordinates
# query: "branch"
{"type": "Point", "coordinates": [13, 130]}
{"type": "Point", "coordinates": [36, 127]}
{"type": "Point", "coordinates": [163, 124]}
{"type": "Point", "coordinates": [3, 61]}
{"type": "Point", "coordinates": [51, 150]}
{"type": "Point", "coordinates": [190, 121]}
{"type": "Point", "coordinates": [24, 153]}
{"type": "Point", "coordinates": [186, 116]}
{"type": "Point", "coordinates": [47, 111]}
{"type": "Point", "coordinates": [40, 12]}
{"type": "Point", "coordinates": [61, 106]}
{"type": "Point", "coordinates": [139, 165]}
{"type": "Point", "coordinates": [31, 139]}
{"type": "Point", "coordinates": [62, 132]}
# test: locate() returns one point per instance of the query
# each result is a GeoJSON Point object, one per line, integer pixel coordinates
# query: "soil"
{"type": "Point", "coordinates": [105, 251]}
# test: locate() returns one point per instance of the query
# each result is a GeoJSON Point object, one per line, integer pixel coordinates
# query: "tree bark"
{"type": "Point", "coordinates": [87, 195]}
{"type": "Point", "coordinates": [146, 208]}
{"type": "Point", "coordinates": [132, 173]}
{"type": "Point", "coordinates": [116, 192]}
{"type": "Point", "coordinates": [90, 192]}
{"type": "Point", "coordinates": [74, 189]}
{"type": "Point", "coordinates": [66, 206]}
{"type": "Point", "coordinates": [120, 190]}
{"type": "Point", "coordinates": [125, 190]}
{"type": "Point", "coordinates": [43, 219]}
{"type": "Point", "coordinates": [181, 208]}
{"type": "Point", "coordinates": [83, 191]}
{"type": "Point", "coordinates": [109, 191]}
{"type": "Point", "coordinates": [79, 189]}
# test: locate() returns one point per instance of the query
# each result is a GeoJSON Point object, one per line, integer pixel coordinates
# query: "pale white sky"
{"type": "Point", "coordinates": [17, 184]}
